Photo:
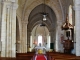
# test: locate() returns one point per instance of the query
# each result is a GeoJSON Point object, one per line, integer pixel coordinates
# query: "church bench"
{"type": "Point", "coordinates": [24, 54]}
{"type": "Point", "coordinates": [61, 56]}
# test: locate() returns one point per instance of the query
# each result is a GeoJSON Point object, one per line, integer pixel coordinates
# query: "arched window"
{"type": "Point", "coordinates": [39, 39]}
{"type": "Point", "coordinates": [70, 14]}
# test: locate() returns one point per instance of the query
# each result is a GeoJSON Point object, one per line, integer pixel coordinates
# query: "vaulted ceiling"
{"type": "Point", "coordinates": [28, 9]}
{"type": "Point", "coordinates": [25, 6]}
{"type": "Point", "coordinates": [56, 9]}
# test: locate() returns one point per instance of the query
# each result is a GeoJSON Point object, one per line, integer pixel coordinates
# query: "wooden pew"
{"type": "Point", "coordinates": [62, 56]}
{"type": "Point", "coordinates": [24, 56]}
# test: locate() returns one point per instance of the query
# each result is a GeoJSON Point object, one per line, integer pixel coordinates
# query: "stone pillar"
{"type": "Point", "coordinates": [28, 39]}
{"type": "Point", "coordinates": [24, 38]}
{"type": "Point", "coordinates": [58, 45]}
{"type": "Point", "coordinates": [77, 28]}
{"type": "Point", "coordinates": [13, 31]}
{"type": "Point", "coordinates": [0, 25]}
{"type": "Point", "coordinates": [57, 39]}
{"type": "Point", "coordinates": [0, 16]}
{"type": "Point", "coordinates": [3, 31]}
{"type": "Point", "coordinates": [52, 35]}
{"type": "Point", "coordinates": [8, 30]}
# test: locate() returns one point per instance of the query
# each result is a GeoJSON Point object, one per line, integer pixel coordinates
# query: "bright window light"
{"type": "Point", "coordinates": [70, 14]}
{"type": "Point", "coordinates": [39, 39]}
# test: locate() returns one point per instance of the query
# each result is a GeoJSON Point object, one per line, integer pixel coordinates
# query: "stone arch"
{"type": "Point", "coordinates": [51, 4]}
{"type": "Point", "coordinates": [33, 22]}
{"type": "Point", "coordinates": [54, 6]}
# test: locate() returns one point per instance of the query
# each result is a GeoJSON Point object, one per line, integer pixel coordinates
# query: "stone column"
{"type": "Point", "coordinates": [0, 25]}
{"type": "Point", "coordinates": [0, 16]}
{"type": "Point", "coordinates": [52, 41]}
{"type": "Point", "coordinates": [57, 39]}
{"type": "Point", "coordinates": [28, 39]}
{"type": "Point", "coordinates": [24, 37]}
{"type": "Point", "coordinates": [8, 30]}
{"type": "Point", "coordinates": [3, 31]}
{"type": "Point", "coordinates": [13, 31]}
{"type": "Point", "coordinates": [58, 45]}
{"type": "Point", "coordinates": [52, 36]}
{"type": "Point", "coordinates": [77, 28]}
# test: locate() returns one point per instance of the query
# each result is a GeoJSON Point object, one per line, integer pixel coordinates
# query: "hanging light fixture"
{"type": "Point", "coordinates": [44, 17]}
{"type": "Point", "coordinates": [44, 14]}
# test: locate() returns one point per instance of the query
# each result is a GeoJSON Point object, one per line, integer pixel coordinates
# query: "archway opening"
{"type": "Point", "coordinates": [40, 34]}
{"type": "Point", "coordinates": [34, 22]}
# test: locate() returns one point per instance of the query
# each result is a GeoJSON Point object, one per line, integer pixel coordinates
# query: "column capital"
{"type": "Point", "coordinates": [10, 0]}
{"type": "Point", "coordinates": [14, 0]}
{"type": "Point", "coordinates": [14, 5]}
{"type": "Point", "coordinates": [10, 4]}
